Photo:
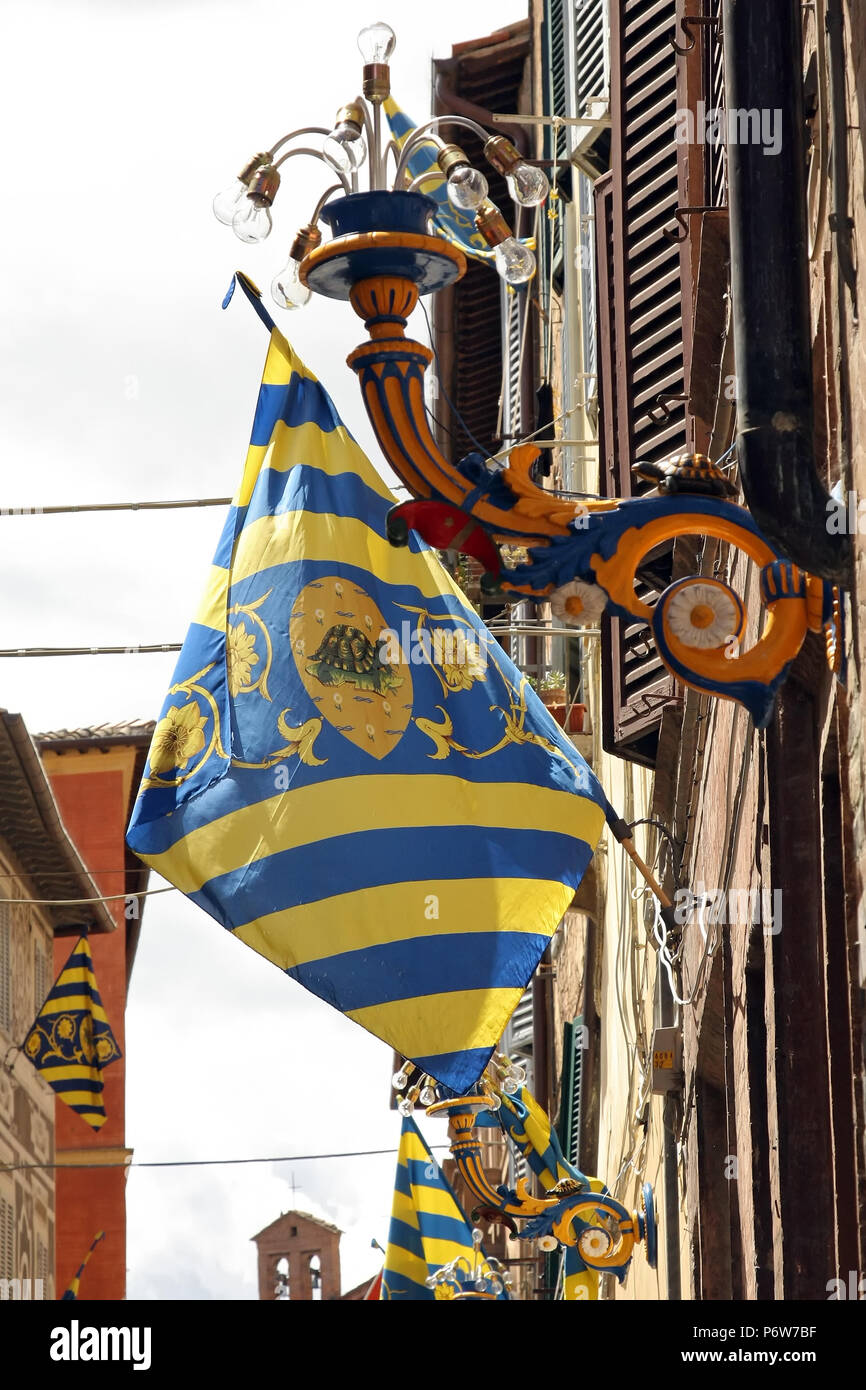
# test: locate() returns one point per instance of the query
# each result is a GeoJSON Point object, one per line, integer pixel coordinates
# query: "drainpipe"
{"type": "Point", "coordinates": [770, 285]}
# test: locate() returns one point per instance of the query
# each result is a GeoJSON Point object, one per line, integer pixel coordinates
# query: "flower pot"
{"type": "Point", "coordinates": [576, 717]}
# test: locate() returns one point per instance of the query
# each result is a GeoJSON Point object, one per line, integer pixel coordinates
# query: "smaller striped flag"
{"type": "Point", "coordinates": [428, 1228]}
{"type": "Point", "coordinates": [71, 1041]}
{"type": "Point", "coordinates": [75, 1281]}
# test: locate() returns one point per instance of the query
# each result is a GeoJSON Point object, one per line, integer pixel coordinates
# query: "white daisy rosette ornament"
{"type": "Point", "coordinates": [704, 614]}
{"type": "Point", "coordinates": [578, 604]}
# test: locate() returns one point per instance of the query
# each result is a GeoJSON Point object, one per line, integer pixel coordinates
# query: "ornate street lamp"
{"type": "Point", "coordinates": [390, 244]}
{"type": "Point", "coordinates": [356, 140]}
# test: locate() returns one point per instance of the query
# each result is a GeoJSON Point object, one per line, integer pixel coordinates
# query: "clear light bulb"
{"type": "Point", "coordinates": [288, 291]}
{"type": "Point", "coordinates": [376, 42]}
{"type": "Point", "coordinates": [467, 188]}
{"type": "Point", "coordinates": [399, 1079]}
{"type": "Point", "coordinates": [345, 148]}
{"type": "Point", "coordinates": [252, 222]}
{"type": "Point", "coordinates": [226, 203]}
{"type": "Point", "coordinates": [514, 261]}
{"type": "Point", "coordinates": [428, 1095]}
{"type": "Point", "coordinates": [527, 185]}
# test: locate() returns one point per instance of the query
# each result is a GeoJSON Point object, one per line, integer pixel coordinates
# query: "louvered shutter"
{"type": "Point", "coordinates": [41, 978]}
{"type": "Point", "coordinates": [588, 81]}
{"type": "Point", "coordinates": [5, 968]}
{"type": "Point", "coordinates": [466, 315]}
{"type": "Point", "coordinates": [640, 339]}
{"type": "Point", "coordinates": [554, 38]}
{"type": "Point", "coordinates": [42, 1270]}
{"type": "Point", "coordinates": [517, 1044]}
{"type": "Point", "coordinates": [570, 1114]}
{"type": "Point", "coordinates": [7, 1239]}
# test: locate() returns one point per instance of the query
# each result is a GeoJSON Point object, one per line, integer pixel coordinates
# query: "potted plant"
{"type": "Point", "coordinates": [552, 689]}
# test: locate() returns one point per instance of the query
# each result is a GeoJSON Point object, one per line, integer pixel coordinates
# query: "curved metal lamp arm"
{"type": "Point", "coordinates": [423, 136]}
{"type": "Point", "coordinates": [302, 130]}
{"type": "Point", "coordinates": [316, 154]}
{"type": "Point", "coordinates": [431, 176]}
{"type": "Point", "coordinates": [317, 212]}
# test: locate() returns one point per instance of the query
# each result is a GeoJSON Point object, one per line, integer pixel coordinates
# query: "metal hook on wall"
{"type": "Point", "coordinates": [688, 23]}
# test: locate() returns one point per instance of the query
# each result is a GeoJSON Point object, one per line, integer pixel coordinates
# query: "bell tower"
{"type": "Point", "coordinates": [299, 1258]}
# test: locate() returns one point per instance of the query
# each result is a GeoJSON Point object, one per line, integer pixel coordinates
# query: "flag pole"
{"type": "Point", "coordinates": [622, 831]}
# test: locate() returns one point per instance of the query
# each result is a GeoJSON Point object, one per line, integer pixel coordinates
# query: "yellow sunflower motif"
{"type": "Point", "coordinates": [177, 738]}
{"type": "Point", "coordinates": [103, 1049]}
{"type": "Point", "coordinates": [241, 657]}
{"type": "Point", "coordinates": [33, 1044]}
{"type": "Point", "coordinates": [85, 1038]}
{"type": "Point", "coordinates": [66, 1028]}
{"type": "Point", "coordinates": [459, 658]}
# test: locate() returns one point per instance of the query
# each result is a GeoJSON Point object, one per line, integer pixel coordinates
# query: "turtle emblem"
{"type": "Point", "coordinates": [347, 656]}
{"type": "Point", "coordinates": [693, 473]}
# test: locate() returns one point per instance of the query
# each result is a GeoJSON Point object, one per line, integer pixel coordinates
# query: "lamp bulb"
{"type": "Point", "coordinates": [467, 188]}
{"type": "Point", "coordinates": [252, 222]}
{"type": "Point", "coordinates": [514, 262]}
{"type": "Point", "coordinates": [226, 203]}
{"type": "Point", "coordinates": [287, 290]}
{"type": "Point", "coordinates": [344, 148]}
{"type": "Point", "coordinates": [527, 185]}
{"type": "Point", "coordinates": [376, 43]}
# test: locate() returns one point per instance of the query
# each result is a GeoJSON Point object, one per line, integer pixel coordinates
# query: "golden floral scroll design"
{"type": "Point", "coordinates": [455, 680]}
{"type": "Point", "coordinates": [241, 655]}
{"type": "Point", "coordinates": [299, 738]}
{"type": "Point", "coordinates": [179, 735]}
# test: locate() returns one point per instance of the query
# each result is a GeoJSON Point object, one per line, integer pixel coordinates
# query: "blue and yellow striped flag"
{"type": "Point", "coordinates": [530, 1130]}
{"type": "Point", "coordinates": [348, 772]}
{"type": "Point", "coordinates": [428, 1229]}
{"type": "Point", "coordinates": [71, 1041]}
{"type": "Point", "coordinates": [75, 1282]}
{"type": "Point", "coordinates": [451, 223]}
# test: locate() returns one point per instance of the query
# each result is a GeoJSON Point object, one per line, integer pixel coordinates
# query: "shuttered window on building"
{"type": "Point", "coordinates": [570, 1113]}
{"type": "Point", "coordinates": [641, 365]}
{"type": "Point", "coordinates": [466, 316]}
{"type": "Point", "coordinates": [517, 1044]}
{"type": "Point", "coordinates": [5, 968]}
{"type": "Point", "coordinates": [42, 1270]}
{"type": "Point", "coordinates": [7, 1239]}
{"type": "Point", "coordinates": [41, 976]}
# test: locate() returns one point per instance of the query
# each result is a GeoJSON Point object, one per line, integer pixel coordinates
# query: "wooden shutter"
{"type": "Point", "coordinates": [488, 74]}
{"type": "Point", "coordinates": [41, 977]}
{"type": "Point", "coordinates": [589, 146]}
{"type": "Point", "coordinates": [7, 1239]}
{"type": "Point", "coordinates": [5, 969]}
{"type": "Point", "coordinates": [570, 1112]}
{"type": "Point", "coordinates": [641, 370]}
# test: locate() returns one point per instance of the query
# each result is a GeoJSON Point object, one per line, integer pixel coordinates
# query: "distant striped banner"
{"type": "Point", "coordinates": [75, 1282]}
{"type": "Point", "coordinates": [71, 1040]}
{"type": "Point", "coordinates": [529, 1129]}
{"type": "Point", "coordinates": [428, 1229]}
{"type": "Point", "coordinates": [348, 773]}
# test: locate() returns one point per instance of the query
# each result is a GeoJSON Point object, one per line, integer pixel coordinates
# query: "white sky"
{"type": "Point", "coordinates": [121, 379]}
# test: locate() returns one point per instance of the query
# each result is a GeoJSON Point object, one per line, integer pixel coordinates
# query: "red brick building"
{"type": "Point", "coordinates": [94, 775]}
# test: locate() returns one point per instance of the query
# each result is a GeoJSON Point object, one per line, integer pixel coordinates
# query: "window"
{"type": "Point", "coordinates": [41, 976]}
{"type": "Point", "coordinates": [7, 1239]}
{"type": "Point", "coordinates": [570, 1113]}
{"type": "Point", "coordinates": [5, 968]}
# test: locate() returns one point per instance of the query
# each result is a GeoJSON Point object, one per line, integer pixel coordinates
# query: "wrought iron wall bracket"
{"type": "Point", "coordinates": [688, 24]}
{"type": "Point", "coordinates": [680, 214]}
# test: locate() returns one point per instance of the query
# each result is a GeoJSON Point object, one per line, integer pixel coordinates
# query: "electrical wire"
{"type": "Point", "coordinates": [145, 649]}
{"type": "Point", "coordinates": [204, 1162]}
{"type": "Point", "coordinates": [77, 902]}
{"type": "Point", "coordinates": [117, 506]}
